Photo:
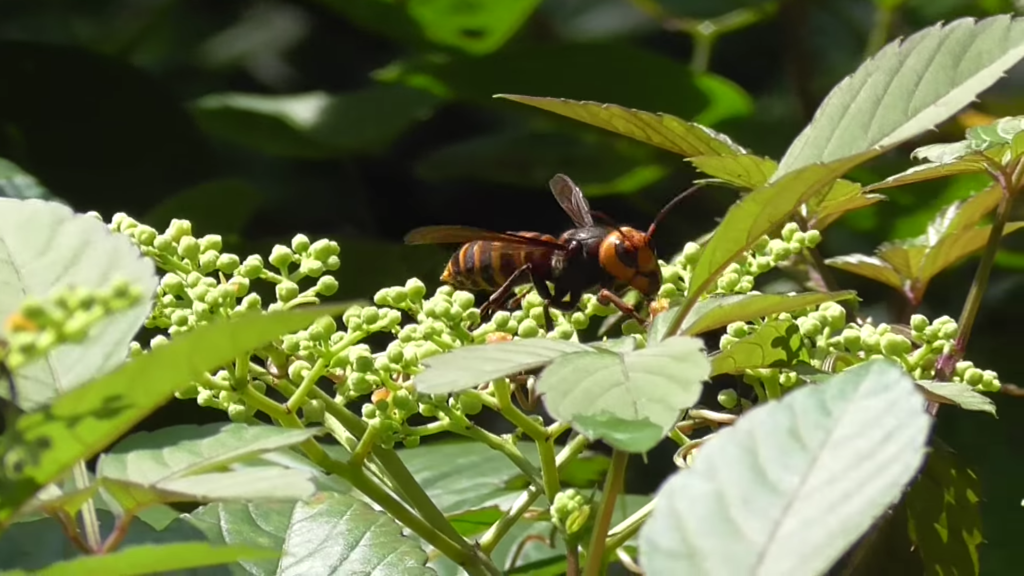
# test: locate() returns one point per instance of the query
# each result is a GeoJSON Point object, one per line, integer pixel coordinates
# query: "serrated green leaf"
{"type": "Point", "coordinates": [332, 533]}
{"type": "Point", "coordinates": [776, 344]}
{"type": "Point", "coordinates": [869, 267]}
{"type": "Point", "coordinates": [43, 444]}
{"type": "Point", "coordinates": [314, 124]}
{"type": "Point", "coordinates": [944, 520]}
{"type": "Point", "coordinates": [953, 248]}
{"type": "Point", "coordinates": [792, 505]}
{"type": "Point", "coordinates": [661, 130]}
{"type": "Point", "coordinates": [179, 451]}
{"type": "Point", "coordinates": [908, 87]}
{"type": "Point", "coordinates": [759, 212]}
{"type": "Point", "coordinates": [719, 311]}
{"type": "Point", "coordinates": [78, 251]}
{"type": "Point", "coordinates": [826, 215]}
{"type": "Point", "coordinates": [474, 26]}
{"type": "Point", "coordinates": [18, 184]}
{"type": "Point", "coordinates": [474, 365]}
{"type": "Point", "coordinates": [926, 172]}
{"type": "Point", "coordinates": [958, 394]}
{"type": "Point", "coordinates": [742, 170]}
{"type": "Point", "coordinates": [948, 153]}
{"type": "Point", "coordinates": [623, 398]}
{"type": "Point", "coordinates": [969, 213]}
{"type": "Point", "coordinates": [150, 559]}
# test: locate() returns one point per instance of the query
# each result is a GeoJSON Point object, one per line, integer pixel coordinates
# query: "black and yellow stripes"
{"type": "Point", "coordinates": [485, 265]}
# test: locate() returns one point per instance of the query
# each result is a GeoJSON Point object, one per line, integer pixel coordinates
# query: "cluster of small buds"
{"type": "Point", "coordinates": [65, 316]}
{"type": "Point", "coordinates": [570, 511]}
{"type": "Point", "coordinates": [827, 335]}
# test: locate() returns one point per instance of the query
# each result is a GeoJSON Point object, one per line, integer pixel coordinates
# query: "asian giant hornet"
{"type": "Point", "coordinates": [589, 255]}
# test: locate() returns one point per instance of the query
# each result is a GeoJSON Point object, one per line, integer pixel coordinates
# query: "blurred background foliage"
{"type": "Point", "coordinates": [362, 119]}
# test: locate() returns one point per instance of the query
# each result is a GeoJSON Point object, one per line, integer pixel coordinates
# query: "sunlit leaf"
{"type": "Point", "coordinates": [969, 213]}
{"type": "Point", "coordinates": [795, 482]}
{"type": "Point", "coordinates": [955, 247]}
{"type": "Point", "coordinates": [944, 516]}
{"type": "Point", "coordinates": [630, 400]}
{"type": "Point", "coordinates": [743, 170]}
{"type": "Point", "coordinates": [151, 559]}
{"type": "Point", "coordinates": [908, 87]}
{"type": "Point", "coordinates": [314, 124]}
{"type": "Point", "coordinates": [43, 444]}
{"type": "Point", "coordinates": [661, 130]}
{"type": "Point", "coordinates": [776, 344]}
{"type": "Point", "coordinates": [475, 26]}
{"type": "Point", "coordinates": [958, 394]}
{"type": "Point", "coordinates": [474, 365]}
{"type": "Point", "coordinates": [331, 534]}
{"type": "Point", "coordinates": [871, 267]}
{"type": "Point", "coordinates": [719, 311]}
{"type": "Point", "coordinates": [826, 215]}
{"type": "Point", "coordinates": [44, 248]}
{"type": "Point", "coordinates": [929, 171]}
{"type": "Point", "coordinates": [757, 213]}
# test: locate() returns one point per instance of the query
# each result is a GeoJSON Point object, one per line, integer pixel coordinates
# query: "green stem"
{"type": "Point", "coordinates": [503, 393]}
{"type": "Point", "coordinates": [459, 424]}
{"type": "Point", "coordinates": [318, 370]}
{"type": "Point", "coordinates": [625, 530]}
{"type": "Point", "coordinates": [263, 404]}
{"type": "Point", "coordinates": [90, 521]}
{"type": "Point", "coordinates": [499, 529]}
{"type": "Point", "coordinates": [548, 468]}
{"type": "Point", "coordinates": [612, 486]}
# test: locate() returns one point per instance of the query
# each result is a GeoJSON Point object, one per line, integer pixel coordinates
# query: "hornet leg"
{"type": "Point", "coordinates": [606, 297]}
{"type": "Point", "coordinates": [501, 294]}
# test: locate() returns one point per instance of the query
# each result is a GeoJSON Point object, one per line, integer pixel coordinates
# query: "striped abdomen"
{"type": "Point", "coordinates": [485, 265]}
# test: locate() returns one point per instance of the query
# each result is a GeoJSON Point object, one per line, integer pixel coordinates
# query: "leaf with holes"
{"type": "Point", "coordinates": [906, 88]}
{"type": "Point", "coordinates": [44, 248]}
{"type": "Point", "coordinates": [471, 366]}
{"type": "Point", "coordinates": [331, 533]}
{"type": "Point", "coordinates": [776, 344]}
{"type": "Point", "coordinates": [840, 454]}
{"type": "Point", "coordinates": [661, 130]}
{"type": "Point", "coordinates": [628, 400]}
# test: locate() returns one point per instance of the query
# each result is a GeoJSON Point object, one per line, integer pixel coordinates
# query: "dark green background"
{"type": "Point", "coordinates": [361, 119]}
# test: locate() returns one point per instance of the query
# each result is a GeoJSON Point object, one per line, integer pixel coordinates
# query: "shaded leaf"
{"type": "Point", "coordinates": [741, 170]}
{"type": "Point", "coordinates": [475, 26]}
{"type": "Point", "coordinates": [871, 267]}
{"type": "Point", "coordinates": [46, 248]}
{"type": "Point", "coordinates": [955, 247]}
{"type": "Point", "coordinates": [758, 213]}
{"type": "Point", "coordinates": [331, 534]}
{"type": "Point", "coordinates": [250, 483]}
{"type": "Point", "coordinates": [661, 130]}
{"type": "Point", "coordinates": [776, 344]}
{"type": "Point", "coordinates": [223, 205]}
{"type": "Point", "coordinates": [18, 184]}
{"type": "Point", "coordinates": [908, 87]}
{"type": "Point", "coordinates": [719, 311]}
{"type": "Point", "coordinates": [958, 394]}
{"type": "Point", "coordinates": [944, 517]}
{"type": "Point", "coordinates": [826, 215]}
{"type": "Point", "coordinates": [45, 443]}
{"type": "Point", "coordinates": [628, 400]}
{"type": "Point", "coordinates": [794, 504]}
{"type": "Point", "coordinates": [314, 124]}
{"type": "Point", "coordinates": [474, 365]}
{"type": "Point", "coordinates": [154, 558]}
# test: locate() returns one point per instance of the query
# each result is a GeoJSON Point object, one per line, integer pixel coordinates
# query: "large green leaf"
{"type": "Point", "coordinates": [746, 171]}
{"type": "Point", "coordinates": [776, 344]}
{"type": "Point", "coordinates": [759, 212]}
{"type": "Point", "coordinates": [474, 365]}
{"type": "Point", "coordinates": [43, 444]}
{"type": "Point", "coordinates": [793, 483]}
{"type": "Point", "coordinates": [314, 124]}
{"type": "Point", "coordinates": [661, 130]}
{"type": "Point", "coordinates": [157, 558]}
{"type": "Point", "coordinates": [45, 247]}
{"type": "Point", "coordinates": [475, 26]}
{"type": "Point", "coordinates": [332, 533]}
{"type": "Point", "coordinates": [628, 400]}
{"type": "Point", "coordinates": [908, 87]}
{"type": "Point", "coordinates": [944, 520]}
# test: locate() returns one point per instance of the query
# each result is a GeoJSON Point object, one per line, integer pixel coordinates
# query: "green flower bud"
{"type": "Point", "coordinates": [313, 411]}
{"type": "Point", "coordinates": [369, 411]}
{"type": "Point", "coordinates": [930, 334]}
{"type": "Point", "coordinates": [470, 404]}
{"type": "Point", "coordinates": [948, 331]}
{"type": "Point", "coordinates": [179, 229]}
{"type": "Point", "coordinates": [238, 412]}
{"type": "Point", "coordinates": [172, 284]}
{"type": "Point", "coordinates": [311, 268]}
{"type": "Point", "coordinates": [211, 242]}
{"type": "Point", "coordinates": [208, 261]}
{"type": "Point", "coordinates": [726, 341]}
{"type": "Point", "coordinates": [763, 264]}
{"type": "Point", "coordinates": [871, 342]}
{"type": "Point", "coordinates": [728, 398]}
{"type": "Point", "coordinates": [501, 318]}
{"type": "Point", "coordinates": [528, 328]}
{"type": "Point", "coordinates": [562, 331]}
{"type": "Point", "coordinates": [323, 249]}
{"type": "Point", "coordinates": [761, 245]}
{"type": "Point", "coordinates": [895, 345]}
{"type": "Point", "coordinates": [737, 329]}
{"type": "Point", "coordinates": [579, 321]}
{"type": "Point", "coordinates": [144, 235]}
{"type": "Point", "coordinates": [962, 367]}
{"type": "Point", "coordinates": [252, 302]}
{"type": "Point", "coordinates": [918, 323]}
{"type": "Point", "coordinates": [668, 291]}
{"type": "Point", "coordinates": [812, 238]}
{"type": "Point", "coordinates": [360, 383]}
{"type": "Point", "coordinates": [788, 379]}
{"type": "Point", "coordinates": [297, 370]}
{"type": "Point", "coordinates": [941, 320]}
{"type": "Point", "coordinates": [180, 318]}
{"type": "Point", "coordinates": [158, 340]}
{"type": "Point", "coordinates": [728, 282]}
{"type": "Point", "coordinates": [463, 300]}
{"type": "Point", "coordinates": [411, 441]}
{"type": "Point", "coordinates": [188, 248]}
{"type": "Point", "coordinates": [631, 327]}
{"type": "Point", "coordinates": [383, 297]}
{"type": "Point", "coordinates": [281, 256]}
{"type": "Point", "coordinates": [691, 253]}
{"type": "Point", "coordinates": [974, 377]}
{"type": "Point", "coordinates": [300, 243]}
{"type": "Point", "coordinates": [239, 286]}
{"type": "Point", "coordinates": [733, 268]}
{"type": "Point", "coordinates": [206, 399]}
{"type": "Point", "coordinates": [789, 231]}
{"type": "Point", "coordinates": [332, 263]}
{"type": "Point", "coordinates": [326, 286]}
{"type": "Point", "coordinates": [226, 263]}
{"type": "Point", "coordinates": [809, 327]}
{"type": "Point", "coordinates": [370, 315]}
{"type": "Point", "coordinates": [778, 250]}
{"type": "Point", "coordinates": [252, 267]}
{"type": "Point", "coordinates": [287, 291]}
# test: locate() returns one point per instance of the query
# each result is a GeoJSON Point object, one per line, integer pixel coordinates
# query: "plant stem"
{"type": "Point", "coordinates": [90, 521]}
{"type": "Point", "coordinates": [625, 530]}
{"type": "Point", "coordinates": [459, 424]}
{"type": "Point", "coordinates": [548, 468]}
{"type": "Point", "coordinates": [612, 486]}
{"type": "Point", "coordinates": [497, 531]}
{"type": "Point", "coordinates": [318, 369]}
{"type": "Point", "coordinates": [503, 393]}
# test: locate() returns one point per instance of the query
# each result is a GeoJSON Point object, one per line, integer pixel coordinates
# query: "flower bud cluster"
{"type": "Point", "coordinates": [66, 316]}
{"type": "Point", "coordinates": [570, 511]}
